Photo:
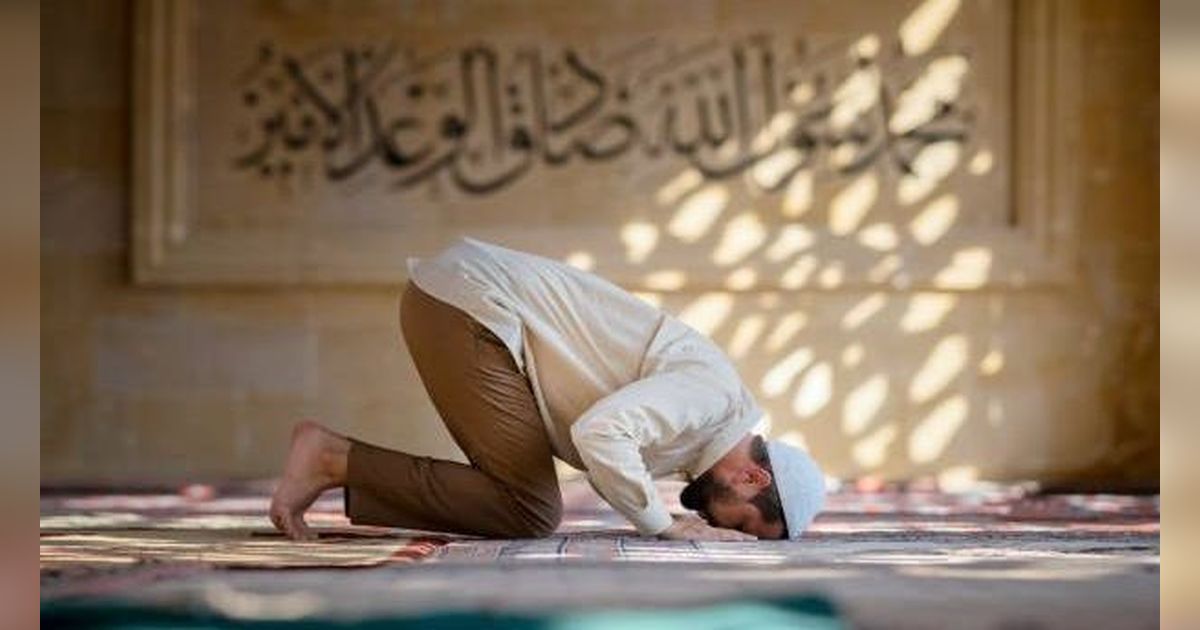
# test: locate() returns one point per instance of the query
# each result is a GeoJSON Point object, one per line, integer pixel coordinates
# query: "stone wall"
{"type": "Point", "coordinates": [922, 370]}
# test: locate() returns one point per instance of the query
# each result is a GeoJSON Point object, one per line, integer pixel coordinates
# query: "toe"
{"type": "Point", "coordinates": [298, 530]}
{"type": "Point", "coordinates": [276, 514]}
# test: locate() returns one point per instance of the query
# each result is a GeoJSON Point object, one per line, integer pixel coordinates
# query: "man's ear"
{"type": "Point", "coordinates": [756, 476]}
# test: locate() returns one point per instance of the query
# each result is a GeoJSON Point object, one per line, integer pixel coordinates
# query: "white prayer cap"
{"type": "Point", "coordinates": [800, 484]}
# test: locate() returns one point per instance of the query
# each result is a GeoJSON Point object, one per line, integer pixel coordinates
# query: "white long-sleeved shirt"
{"type": "Point", "coordinates": [627, 392]}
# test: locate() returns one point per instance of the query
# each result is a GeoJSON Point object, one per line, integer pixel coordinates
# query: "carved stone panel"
{"type": "Point", "coordinates": [665, 145]}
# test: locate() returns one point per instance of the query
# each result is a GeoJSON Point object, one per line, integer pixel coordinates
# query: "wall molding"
{"type": "Point", "coordinates": [1035, 247]}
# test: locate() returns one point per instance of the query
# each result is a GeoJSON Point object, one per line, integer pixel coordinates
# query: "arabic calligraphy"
{"type": "Point", "coordinates": [483, 116]}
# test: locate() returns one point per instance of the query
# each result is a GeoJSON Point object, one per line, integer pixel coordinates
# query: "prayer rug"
{"type": "Point", "coordinates": [888, 556]}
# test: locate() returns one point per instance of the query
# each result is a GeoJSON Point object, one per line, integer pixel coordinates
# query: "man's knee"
{"type": "Point", "coordinates": [548, 520]}
{"type": "Point", "coordinates": [537, 519]}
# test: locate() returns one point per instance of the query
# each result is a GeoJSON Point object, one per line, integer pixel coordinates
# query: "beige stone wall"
{"type": "Point", "coordinates": [1052, 379]}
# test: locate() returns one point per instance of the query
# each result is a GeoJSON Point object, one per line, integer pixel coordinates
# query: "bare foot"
{"type": "Point", "coordinates": [315, 463]}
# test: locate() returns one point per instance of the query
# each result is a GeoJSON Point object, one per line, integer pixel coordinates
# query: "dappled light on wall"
{"type": "Point", "coordinates": [742, 236]}
{"type": "Point", "coordinates": [926, 311]}
{"type": "Point", "coordinates": [851, 205]}
{"type": "Point", "coordinates": [779, 378]}
{"type": "Point", "coordinates": [863, 311]}
{"type": "Point", "coordinates": [789, 240]}
{"type": "Point", "coordinates": [815, 391]}
{"type": "Point", "coordinates": [581, 260]}
{"type": "Point", "coordinates": [968, 269]}
{"type": "Point", "coordinates": [786, 330]}
{"type": "Point", "coordinates": [921, 29]}
{"type": "Point", "coordinates": [881, 237]}
{"type": "Point", "coordinates": [863, 404]}
{"type": "Point", "coordinates": [749, 329]}
{"type": "Point", "coordinates": [827, 204]}
{"type": "Point", "coordinates": [698, 212]}
{"type": "Point", "coordinates": [741, 279]}
{"type": "Point", "coordinates": [639, 238]}
{"type": "Point", "coordinates": [708, 312]}
{"type": "Point", "coordinates": [934, 220]}
{"type": "Point", "coordinates": [931, 166]}
{"type": "Point", "coordinates": [666, 280]}
{"type": "Point", "coordinates": [944, 363]}
{"type": "Point", "coordinates": [872, 451]}
{"type": "Point", "coordinates": [932, 434]}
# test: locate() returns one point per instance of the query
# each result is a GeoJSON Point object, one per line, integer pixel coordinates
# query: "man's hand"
{"type": "Point", "coordinates": [691, 527]}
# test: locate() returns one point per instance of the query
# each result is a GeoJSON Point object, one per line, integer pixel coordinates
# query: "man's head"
{"type": "Point", "coordinates": [746, 490]}
{"type": "Point", "coordinates": [739, 492]}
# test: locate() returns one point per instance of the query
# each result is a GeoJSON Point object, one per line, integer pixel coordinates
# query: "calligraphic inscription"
{"type": "Point", "coordinates": [482, 117]}
{"type": "Point", "coordinates": [310, 142]}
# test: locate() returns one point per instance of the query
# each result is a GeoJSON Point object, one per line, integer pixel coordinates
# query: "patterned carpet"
{"type": "Point", "coordinates": [891, 557]}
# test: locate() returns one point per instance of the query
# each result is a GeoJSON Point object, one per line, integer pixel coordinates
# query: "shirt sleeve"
{"type": "Point", "coordinates": [611, 435]}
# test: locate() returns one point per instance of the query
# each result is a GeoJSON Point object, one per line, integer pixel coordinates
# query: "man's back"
{"type": "Point", "coordinates": [577, 335]}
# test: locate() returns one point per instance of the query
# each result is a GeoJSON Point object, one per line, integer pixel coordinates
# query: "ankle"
{"type": "Point", "coordinates": [334, 460]}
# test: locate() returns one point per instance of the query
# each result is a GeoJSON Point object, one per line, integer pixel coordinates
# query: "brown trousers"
{"type": "Point", "coordinates": [510, 489]}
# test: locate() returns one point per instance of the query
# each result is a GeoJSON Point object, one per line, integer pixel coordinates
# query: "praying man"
{"type": "Point", "coordinates": [526, 359]}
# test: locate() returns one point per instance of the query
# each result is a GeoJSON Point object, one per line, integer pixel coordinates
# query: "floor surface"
{"type": "Point", "coordinates": [995, 557]}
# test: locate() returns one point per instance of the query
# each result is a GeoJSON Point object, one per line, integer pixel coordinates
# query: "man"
{"type": "Point", "coordinates": [527, 359]}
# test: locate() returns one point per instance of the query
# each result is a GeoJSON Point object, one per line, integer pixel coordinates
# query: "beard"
{"type": "Point", "coordinates": [702, 491]}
